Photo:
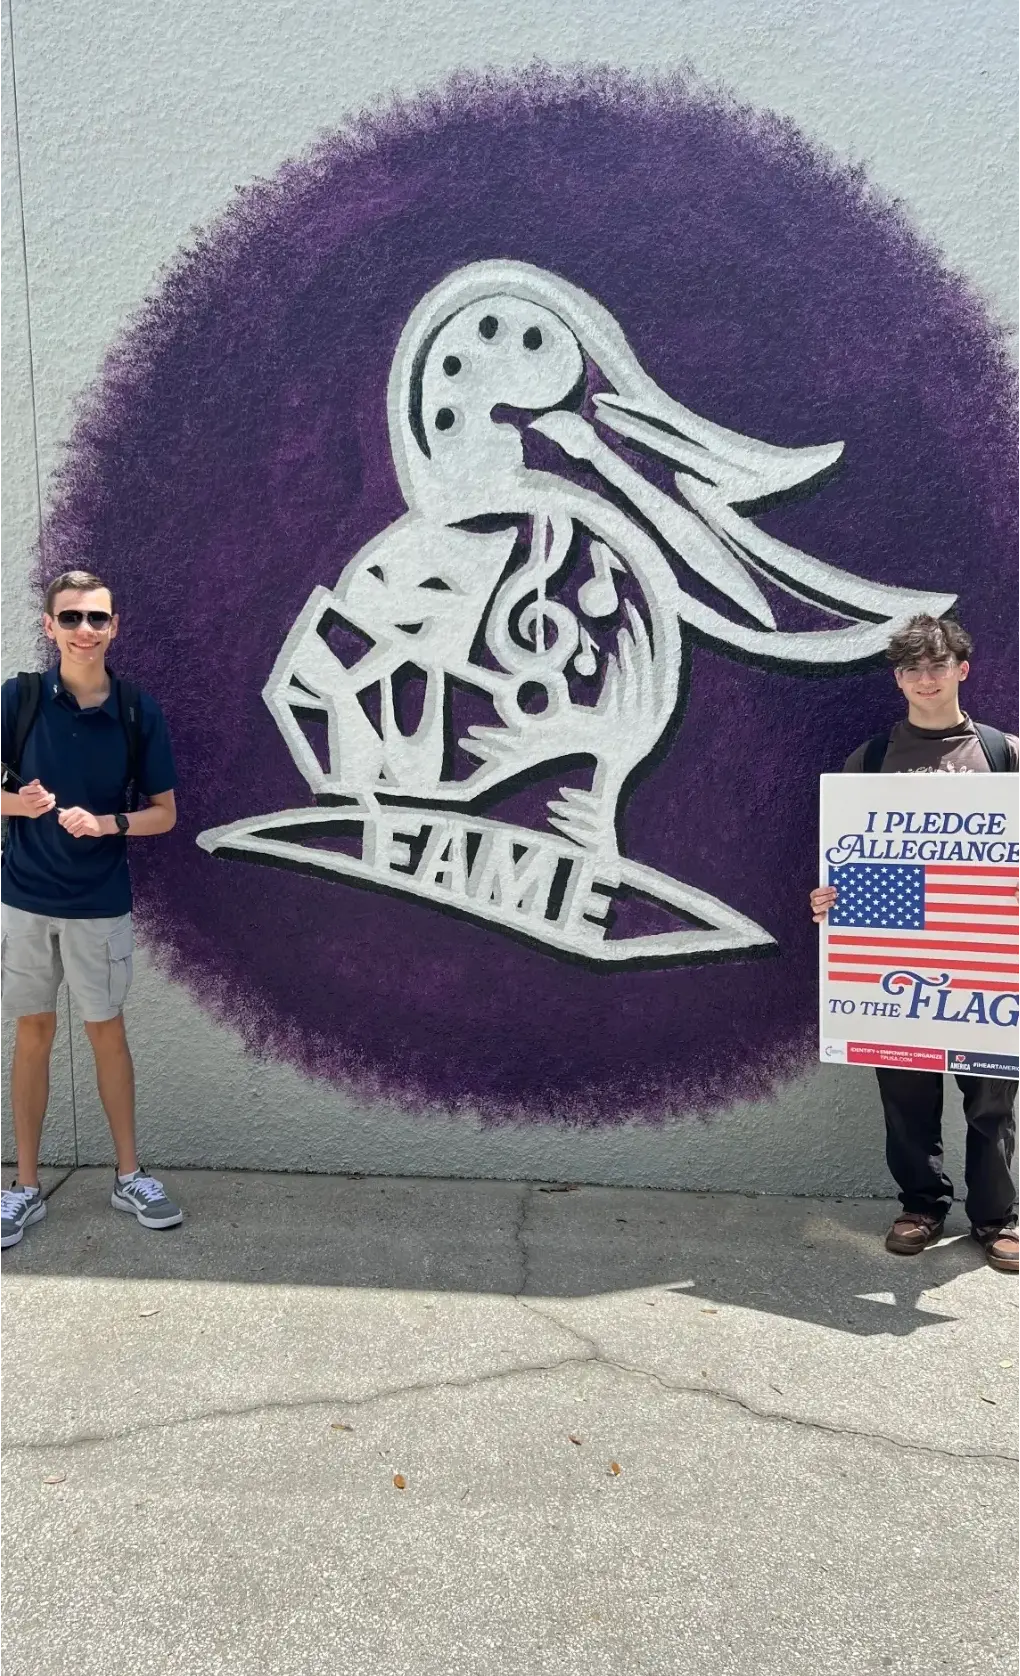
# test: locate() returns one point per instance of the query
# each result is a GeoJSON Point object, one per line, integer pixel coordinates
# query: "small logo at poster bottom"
{"type": "Point", "coordinates": [833, 1053]}
{"type": "Point", "coordinates": [896, 1056]}
{"type": "Point", "coordinates": [983, 1064]}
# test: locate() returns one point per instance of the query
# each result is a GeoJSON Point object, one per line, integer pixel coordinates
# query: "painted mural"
{"type": "Point", "coordinates": [509, 504]}
{"type": "Point", "coordinates": [507, 613]}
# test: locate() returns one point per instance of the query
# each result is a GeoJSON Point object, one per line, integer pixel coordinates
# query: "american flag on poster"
{"type": "Point", "coordinates": [933, 919]}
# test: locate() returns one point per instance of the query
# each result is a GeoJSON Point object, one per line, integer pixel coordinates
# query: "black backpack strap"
{"type": "Point", "coordinates": [129, 705]}
{"type": "Point", "coordinates": [29, 694]}
{"type": "Point", "coordinates": [874, 754]}
{"type": "Point", "coordinates": [996, 748]}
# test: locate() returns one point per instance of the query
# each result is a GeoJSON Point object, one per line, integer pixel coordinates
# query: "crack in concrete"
{"type": "Point", "coordinates": [591, 1353]}
{"type": "Point", "coordinates": [519, 1235]}
{"type": "Point", "coordinates": [57, 1185]}
{"type": "Point", "coordinates": [594, 1358]}
{"type": "Point", "coordinates": [594, 1352]}
{"type": "Point", "coordinates": [592, 1349]}
{"type": "Point", "coordinates": [784, 1417]}
{"type": "Point", "coordinates": [455, 1382]}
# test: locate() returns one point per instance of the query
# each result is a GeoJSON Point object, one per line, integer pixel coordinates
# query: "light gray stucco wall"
{"type": "Point", "coordinates": [20, 511]}
{"type": "Point", "coordinates": [131, 125]}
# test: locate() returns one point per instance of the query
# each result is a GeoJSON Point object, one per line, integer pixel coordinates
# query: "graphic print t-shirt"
{"type": "Point", "coordinates": [922, 750]}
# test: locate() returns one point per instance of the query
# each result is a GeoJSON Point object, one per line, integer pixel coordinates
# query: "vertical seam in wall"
{"type": "Point", "coordinates": [28, 291]}
{"type": "Point", "coordinates": [9, 8]}
{"type": "Point", "coordinates": [74, 1086]}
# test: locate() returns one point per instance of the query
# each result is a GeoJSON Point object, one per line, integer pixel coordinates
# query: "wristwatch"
{"type": "Point", "coordinates": [122, 823]}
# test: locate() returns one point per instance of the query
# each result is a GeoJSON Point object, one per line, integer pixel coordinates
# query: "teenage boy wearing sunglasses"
{"type": "Point", "coordinates": [931, 660]}
{"type": "Point", "coordinates": [66, 891]}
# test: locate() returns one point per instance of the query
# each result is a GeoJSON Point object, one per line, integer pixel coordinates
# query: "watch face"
{"type": "Point", "coordinates": [122, 823]}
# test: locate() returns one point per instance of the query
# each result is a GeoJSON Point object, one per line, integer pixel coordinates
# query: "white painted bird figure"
{"type": "Point", "coordinates": [564, 605]}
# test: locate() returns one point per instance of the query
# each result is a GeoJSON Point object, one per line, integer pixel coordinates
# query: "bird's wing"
{"type": "Point", "coordinates": [740, 467]}
{"type": "Point", "coordinates": [721, 471]}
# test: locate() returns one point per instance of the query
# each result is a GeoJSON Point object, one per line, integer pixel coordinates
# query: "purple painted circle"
{"type": "Point", "coordinates": [235, 455]}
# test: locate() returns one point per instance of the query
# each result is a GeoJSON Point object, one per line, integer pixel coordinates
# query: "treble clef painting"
{"type": "Point", "coordinates": [572, 531]}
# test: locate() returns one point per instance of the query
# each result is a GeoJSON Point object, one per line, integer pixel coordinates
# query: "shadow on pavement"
{"type": "Point", "coordinates": [818, 1261]}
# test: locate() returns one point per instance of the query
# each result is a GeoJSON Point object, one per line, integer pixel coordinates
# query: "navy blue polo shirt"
{"type": "Point", "coordinates": [81, 756]}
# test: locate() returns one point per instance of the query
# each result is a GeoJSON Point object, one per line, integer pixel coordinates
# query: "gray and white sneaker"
{"type": "Point", "coordinates": [21, 1207]}
{"type": "Point", "coordinates": [144, 1197]}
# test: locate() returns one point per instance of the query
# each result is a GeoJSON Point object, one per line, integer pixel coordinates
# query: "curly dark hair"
{"type": "Point", "coordinates": [929, 638]}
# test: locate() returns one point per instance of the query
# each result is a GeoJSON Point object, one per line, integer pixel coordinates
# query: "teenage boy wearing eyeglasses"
{"type": "Point", "coordinates": [931, 660]}
{"type": "Point", "coordinates": [66, 891]}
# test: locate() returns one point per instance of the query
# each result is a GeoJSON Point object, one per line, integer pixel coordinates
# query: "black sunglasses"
{"type": "Point", "coordinates": [73, 619]}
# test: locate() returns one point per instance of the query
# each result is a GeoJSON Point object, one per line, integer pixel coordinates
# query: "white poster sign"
{"type": "Point", "coordinates": [919, 954]}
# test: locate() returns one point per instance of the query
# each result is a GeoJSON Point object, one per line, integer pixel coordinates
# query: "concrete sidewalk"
{"type": "Point", "coordinates": [815, 1441]}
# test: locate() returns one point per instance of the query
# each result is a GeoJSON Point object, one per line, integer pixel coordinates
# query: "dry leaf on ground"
{"type": "Point", "coordinates": [614, 1467]}
{"type": "Point", "coordinates": [399, 1481]}
{"type": "Point", "coordinates": [55, 1478]}
{"type": "Point", "coordinates": [572, 1437]}
{"type": "Point", "coordinates": [341, 1426]}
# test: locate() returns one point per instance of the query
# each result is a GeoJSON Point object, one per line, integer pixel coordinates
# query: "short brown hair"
{"type": "Point", "coordinates": [935, 638]}
{"type": "Point", "coordinates": [76, 582]}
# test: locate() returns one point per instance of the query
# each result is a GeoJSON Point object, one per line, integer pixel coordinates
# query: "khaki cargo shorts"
{"type": "Point", "coordinates": [94, 955]}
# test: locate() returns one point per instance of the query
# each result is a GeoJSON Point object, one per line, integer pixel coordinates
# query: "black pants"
{"type": "Point", "coordinates": [912, 1102]}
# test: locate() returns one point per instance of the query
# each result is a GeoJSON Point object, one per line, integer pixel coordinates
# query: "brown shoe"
{"type": "Point", "coordinates": [912, 1231]}
{"type": "Point", "coordinates": [1002, 1247]}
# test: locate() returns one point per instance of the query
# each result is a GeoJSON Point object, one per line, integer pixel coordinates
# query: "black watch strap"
{"type": "Point", "coordinates": [122, 823]}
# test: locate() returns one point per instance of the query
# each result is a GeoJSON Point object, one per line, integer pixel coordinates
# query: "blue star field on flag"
{"type": "Point", "coordinates": [888, 897]}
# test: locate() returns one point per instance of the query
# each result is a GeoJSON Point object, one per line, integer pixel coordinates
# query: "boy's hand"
{"type": "Point", "coordinates": [822, 899]}
{"type": "Point", "coordinates": [79, 823]}
{"type": "Point", "coordinates": [35, 800]}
